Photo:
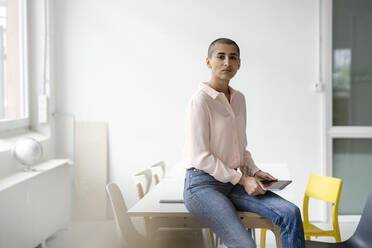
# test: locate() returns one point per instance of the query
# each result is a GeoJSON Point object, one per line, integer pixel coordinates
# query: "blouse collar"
{"type": "Point", "coordinates": [212, 92]}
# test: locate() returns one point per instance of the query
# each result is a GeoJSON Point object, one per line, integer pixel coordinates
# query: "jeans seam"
{"type": "Point", "coordinates": [271, 209]}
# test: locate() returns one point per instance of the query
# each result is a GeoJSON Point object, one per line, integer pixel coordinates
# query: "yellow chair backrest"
{"type": "Point", "coordinates": [327, 189]}
{"type": "Point", "coordinates": [324, 188]}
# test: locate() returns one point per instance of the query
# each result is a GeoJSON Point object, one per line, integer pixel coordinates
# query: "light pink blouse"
{"type": "Point", "coordinates": [215, 138]}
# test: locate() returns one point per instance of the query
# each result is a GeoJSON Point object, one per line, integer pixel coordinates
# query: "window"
{"type": "Point", "coordinates": [352, 63]}
{"type": "Point", "coordinates": [13, 74]}
{"type": "Point", "coordinates": [352, 161]}
{"type": "Point", "coordinates": [348, 69]}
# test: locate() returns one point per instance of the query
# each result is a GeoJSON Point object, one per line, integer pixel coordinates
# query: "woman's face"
{"type": "Point", "coordinates": [225, 61]}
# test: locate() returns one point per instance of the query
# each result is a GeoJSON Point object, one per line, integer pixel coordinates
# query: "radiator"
{"type": "Point", "coordinates": [35, 205]}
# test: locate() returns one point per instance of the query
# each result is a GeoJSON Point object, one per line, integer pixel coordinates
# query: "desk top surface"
{"type": "Point", "coordinates": [171, 188]}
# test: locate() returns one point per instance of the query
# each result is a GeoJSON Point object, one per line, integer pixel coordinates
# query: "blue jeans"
{"type": "Point", "coordinates": [215, 204]}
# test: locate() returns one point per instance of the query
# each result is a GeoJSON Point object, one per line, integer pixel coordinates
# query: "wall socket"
{"type": "Point", "coordinates": [318, 87]}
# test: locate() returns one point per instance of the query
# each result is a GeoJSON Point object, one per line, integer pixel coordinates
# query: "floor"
{"type": "Point", "coordinates": [98, 234]}
{"type": "Point", "coordinates": [346, 229]}
{"type": "Point", "coordinates": [87, 234]}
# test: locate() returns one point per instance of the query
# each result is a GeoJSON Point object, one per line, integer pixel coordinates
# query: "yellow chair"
{"type": "Point", "coordinates": [327, 189]}
{"type": "Point", "coordinates": [323, 188]}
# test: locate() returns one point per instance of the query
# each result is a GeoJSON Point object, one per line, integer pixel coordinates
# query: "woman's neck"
{"type": "Point", "coordinates": [219, 85]}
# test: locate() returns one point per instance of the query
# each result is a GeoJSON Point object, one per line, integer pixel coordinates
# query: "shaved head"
{"type": "Point", "coordinates": [212, 47]}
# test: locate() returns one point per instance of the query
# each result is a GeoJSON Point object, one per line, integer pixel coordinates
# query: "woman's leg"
{"type": "Point", "coordinates": [283, 213]}
{"type": "Point", "coordinates": [205, 198]}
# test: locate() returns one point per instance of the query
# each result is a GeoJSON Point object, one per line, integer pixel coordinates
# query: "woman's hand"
{"type": "Point", "coordinates": [252, 185]}
{"type": "Point", "coordinates": [264, 176]}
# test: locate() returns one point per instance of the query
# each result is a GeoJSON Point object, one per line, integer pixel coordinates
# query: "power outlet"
{"type": "Point", "coordinates": [318, 87]}
{"type": "Point", "coordinates": [43, 109]}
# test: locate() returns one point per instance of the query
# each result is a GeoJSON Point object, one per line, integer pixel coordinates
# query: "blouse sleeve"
{"type": "Point", "coordinates": [199, 151]}
{"type": "Point", "coordinates": [249, 167]}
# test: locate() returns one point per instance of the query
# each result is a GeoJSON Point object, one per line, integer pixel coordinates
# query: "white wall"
{"type": "Point", "coordinates": [135, 64]}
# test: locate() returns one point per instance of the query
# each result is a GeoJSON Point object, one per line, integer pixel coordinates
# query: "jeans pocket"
{"type": "Point", "coordinates": [200, 178]}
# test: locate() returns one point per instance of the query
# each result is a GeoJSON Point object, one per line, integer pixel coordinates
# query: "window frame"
{"type": "Point", "coordinates": [330, 132]}
{"type": "Point", "coordinates": [7, 125]}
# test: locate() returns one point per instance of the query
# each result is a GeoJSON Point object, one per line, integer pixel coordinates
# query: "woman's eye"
{"type": "Point", "coordinates": [221, 57]}
{"type": "Point", "coordinates": [233, 58]}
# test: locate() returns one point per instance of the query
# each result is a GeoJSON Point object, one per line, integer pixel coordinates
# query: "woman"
{"type": "Point", "coordinates": [216, 149]}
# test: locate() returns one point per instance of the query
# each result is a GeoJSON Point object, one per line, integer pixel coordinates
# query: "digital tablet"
{"type": "Point", "coordinates": [171, 201]}
{"type": "Point", "coordinates": [276, 185]}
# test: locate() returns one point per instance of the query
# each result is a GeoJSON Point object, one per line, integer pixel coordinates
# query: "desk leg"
{"type": "Point", "coordinates": [151, 230]}
{"type": "Point", "coordinates": [210, 238]}
{"type": "Point", "coordinates": [146, 222]}
{"type": "Point", "coordinates": [278, 239]}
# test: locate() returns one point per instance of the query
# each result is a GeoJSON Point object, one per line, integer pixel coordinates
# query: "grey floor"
{"type": "Point", "coordinates": [98, 234]}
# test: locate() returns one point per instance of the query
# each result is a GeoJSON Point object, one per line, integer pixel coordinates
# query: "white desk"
{"type": "Point", "coordinates": [176, 214]}
{"type": "Point", "coordinates": [165, 214]}
{"type": "Point", "coordinates": [149, 205]}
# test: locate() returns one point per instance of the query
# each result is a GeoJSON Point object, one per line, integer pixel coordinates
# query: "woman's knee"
{"type": "Point", "coordinates": [295, 211]}
{"type": "Point", "coordinates": [292, 212]}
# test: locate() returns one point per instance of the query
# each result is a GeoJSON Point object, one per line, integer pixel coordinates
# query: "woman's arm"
{"type": "Point", "coordinates": [249, 168]}
{"type": "Point", "coordinates": [199, 152]}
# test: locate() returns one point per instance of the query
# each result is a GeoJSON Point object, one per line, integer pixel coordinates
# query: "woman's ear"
{"type": "Point", "coordinates": [208, 63]}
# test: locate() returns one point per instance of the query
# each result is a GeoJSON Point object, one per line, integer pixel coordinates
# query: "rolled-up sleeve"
{"type": "Point", "coordinates": [249, 168]}
{"type": "Point", "coordinates": [199, 147]}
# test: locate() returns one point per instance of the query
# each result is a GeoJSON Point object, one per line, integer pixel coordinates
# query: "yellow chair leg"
{"type": "Point", "coordinates": [263, 238]}
{"type": "Point", "coordinates": [338, 236]}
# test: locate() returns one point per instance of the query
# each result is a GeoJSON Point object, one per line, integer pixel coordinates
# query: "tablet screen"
{"type": "Point", "coordinates": [278, 185]}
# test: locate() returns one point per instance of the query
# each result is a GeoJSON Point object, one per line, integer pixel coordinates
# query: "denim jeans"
{"type": "Point", "coordinates": [215, 204]}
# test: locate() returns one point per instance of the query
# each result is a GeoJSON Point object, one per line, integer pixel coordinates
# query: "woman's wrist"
{"type": "Point", "coordinates": [241, 180]}
{"type": "Point", "coordinates": [256, 173]}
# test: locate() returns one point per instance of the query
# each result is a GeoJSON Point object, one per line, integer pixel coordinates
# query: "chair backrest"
{"type": "Point", "coordinates": [143, 181]}
{"type": "Point", "coordinates": [125, 229]}
{"type": "Point", "coordinates": [323, 188]}
{"type": "Point", "coordinates": [158, 171]}
{"type": "Point", "coordinates": [362, 233]}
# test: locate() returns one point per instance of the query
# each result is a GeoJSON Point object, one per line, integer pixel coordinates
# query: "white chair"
{"type": "Point", "coordinates": [158, 171]}
{"type": "Point", "coordinates": [143, 181]}
{"type": "Point", "coordinates": [126, 232]}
